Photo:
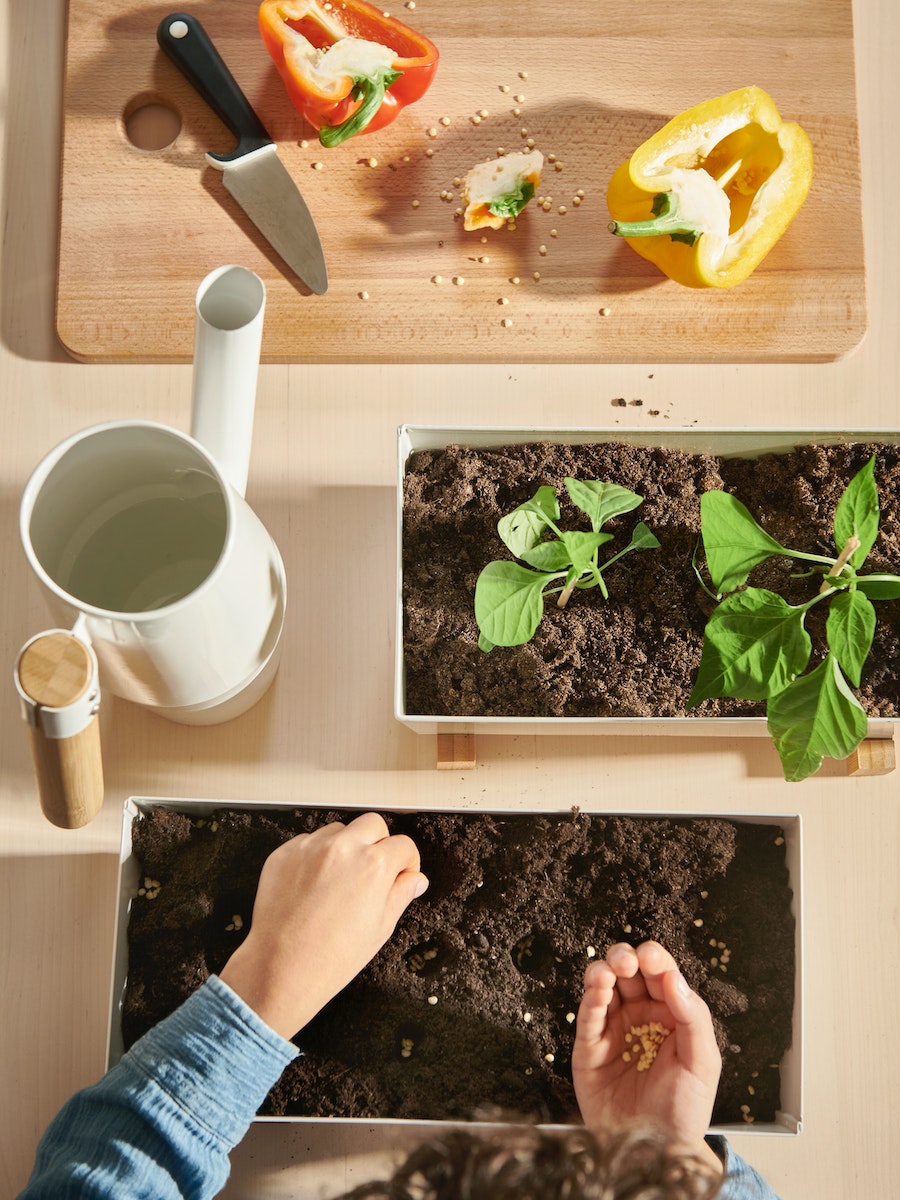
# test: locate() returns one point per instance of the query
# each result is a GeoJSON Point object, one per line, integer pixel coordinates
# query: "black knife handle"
{"type": "Point", "coordinates": [184, 40]}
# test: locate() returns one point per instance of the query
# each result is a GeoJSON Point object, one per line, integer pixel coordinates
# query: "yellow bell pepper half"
{"type": "Point", "coordinates": [708, 196]}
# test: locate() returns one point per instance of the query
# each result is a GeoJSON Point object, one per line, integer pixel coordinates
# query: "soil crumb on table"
{"type": "Point", "coordinates": [637, 653]}
{"type": "Point", "coordinates": [469, 1007]}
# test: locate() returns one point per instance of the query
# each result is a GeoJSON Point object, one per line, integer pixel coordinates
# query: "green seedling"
{"type": "Point", "coordinates": [509, 598]}
{"type": "Point", "coordinates": [756, 646]}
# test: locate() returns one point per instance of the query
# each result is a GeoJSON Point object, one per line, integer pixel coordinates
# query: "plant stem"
{"type": "Point", "coordinates": [566, 593]}
{"type": "Point", "coordinates": [850, 546]}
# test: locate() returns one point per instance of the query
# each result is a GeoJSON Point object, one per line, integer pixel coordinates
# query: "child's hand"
{"type": "Point", "coordinates": [676, 1090]}
{"type": "Point", "coordinates": [327, 902]}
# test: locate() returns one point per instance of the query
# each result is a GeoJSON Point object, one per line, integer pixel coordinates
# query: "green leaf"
{"type": "Point", "coordinates": [754, 645]}
{"type": "Point", "coordinates": [849, 630]}
{"type": "Point", "coordinates": [816, 717]}
{"type": "Point", "coordinates": [547, 556]}
{"type": "Point", "coordinates": [524, 526]}
{"type": "Point", "coordinates": [509, 602]}
{"type": "Point", "coordinates": [643, 538]}
{"type": "Point", "coordinates": [601, 501]}
{"type": "Point", "coordinates": [732, 541]}
{"type": "Point", "coordinates": [484, 644]}
{"type": "Point", "coordinates": [879, 587]}
{"type": "Point", "coordinates": [510, 204]}
{"type": "Point", "coordinates": [581, 548]}
{"type": "Point", "coordinates": [857, 513]}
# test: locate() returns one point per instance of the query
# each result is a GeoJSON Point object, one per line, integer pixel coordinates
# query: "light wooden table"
{"type": "Point", "coordinates": [322, 476]}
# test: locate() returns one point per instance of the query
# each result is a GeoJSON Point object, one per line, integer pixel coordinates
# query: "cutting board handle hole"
{"type": "Point", "coordinates": [150, 123]}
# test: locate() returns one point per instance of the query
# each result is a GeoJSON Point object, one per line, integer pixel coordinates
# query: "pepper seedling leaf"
{"type": "Point", "coordinates": [816, 717]}
{"type": "Point", "coordinates": [524, 526]}
{"type": "Point", "coordinates": [600, 500]}
{"type": "Point", "coordinates": [732, 540]}
{"type": "Point", "coordinates": [858, 513]}
{"type": "Point", "coordinates": [642, 539]}
{"type": "Point", "coordinates": [581, 548]}
{"type": "Point", "coordinates": [509, 602]}
{"type": "Point", "coordinates": [849, 631]}
{"type": "Point", "coordinates": [754, 646]}
{"type": "Point", "coordinates": [547, 556]}
{"type": "Point", "coordinates": [879, 587]}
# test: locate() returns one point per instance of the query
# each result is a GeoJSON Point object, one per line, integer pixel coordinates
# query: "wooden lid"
{"type": "Point", "coordinates": [55, 670]}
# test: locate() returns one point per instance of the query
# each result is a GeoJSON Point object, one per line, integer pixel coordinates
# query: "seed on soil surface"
{"type": "Point", "coordinates": [699, 922]}
{"type": "Point", "coordinates": [550, 1058]}
{"type": "Point", "coordinates": [570, 1017]}
{"type": "Point", "coordinates": [591, 952]}
{"type": "Point", "coordinates": [626, 929]}
{"type": "Point", "coordinates": [432, 999]}
{"type": "Point", "coordinates": [526, 1017]}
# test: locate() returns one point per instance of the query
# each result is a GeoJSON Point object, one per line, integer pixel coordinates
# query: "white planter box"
{"type": "Point", "coordinates": [789, 1119]}
{"type": "Point", "coordinates": [737, 443]}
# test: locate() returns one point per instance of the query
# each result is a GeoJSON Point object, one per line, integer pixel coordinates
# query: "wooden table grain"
{"type": "Point", "coordinates": [322, 479]}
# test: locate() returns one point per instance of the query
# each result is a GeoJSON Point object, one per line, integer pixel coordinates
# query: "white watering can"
{"type": "Point", "coordinates": [167, 588]}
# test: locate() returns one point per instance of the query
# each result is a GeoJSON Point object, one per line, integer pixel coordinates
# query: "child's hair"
{"type": "Point", "coordinates": [529, 1163]}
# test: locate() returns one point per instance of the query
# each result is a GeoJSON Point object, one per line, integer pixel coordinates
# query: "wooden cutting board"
{"type": "Point", "coordinates": [140, 228]}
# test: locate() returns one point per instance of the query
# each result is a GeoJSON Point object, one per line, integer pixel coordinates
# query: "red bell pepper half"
{"type": "Point", "coordinates": [347, 66]}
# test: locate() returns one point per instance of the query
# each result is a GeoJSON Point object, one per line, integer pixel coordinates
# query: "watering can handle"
{"type": "Point", "coordinates": [56, 677]}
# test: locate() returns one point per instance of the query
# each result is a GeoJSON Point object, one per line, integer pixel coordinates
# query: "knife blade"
{"type": "Point", "coordinates": [252, 172]}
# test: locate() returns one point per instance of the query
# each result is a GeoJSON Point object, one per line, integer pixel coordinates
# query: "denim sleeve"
{"type": "Point", "coordinates": [162, 1122]}
{"type": "Point", "coordinates": [741, 1182]}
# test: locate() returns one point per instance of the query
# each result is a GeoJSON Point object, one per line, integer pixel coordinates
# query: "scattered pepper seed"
{"type": "Point", "coordinates": [483, 112]}
{"type": "Point", "coordinates": [504, 87]}
{"type": "Point", "coordinates": [591, 952]}
{"type": "Point", "coordinates": [445, 121]}
{"type": "Point", "coordinates": [432, 999]}
{"type": "Point", "coordinates": [519, 99]}
{"type": "Point", "coordinates": [432, 132]}
{"type": "Point", "coordinates": [458, 280]}
{"type": "Point", "coordinates": [526, 1017]}
{"type": "Point", "coordinates": [515, 279]}
{"type": "Point", "coordinates": [699, 922]}
{"type": "Point", "coordinates": [570, 1017]}
{"type": "Point", "coordinates": [437, 279]}
{"type": "Point", "coordinates": [415, 203]}
{"type": "Point", "coordinates": [542, 250]}
{"type": "Point", "coordinates": [363, 295]}
{"type": "Point", "coordinates": [318, 166]}
{"type": "Point", "coordinates": [550, 1058]}
{"type": "Point", "coordinates": [605, 312]}
{"type": "Point", "coordinates": [506, 323]}
{"type": "Point", "coordinates": [523, 74]}
{"type": "Point", "coordinates": [503, 300]}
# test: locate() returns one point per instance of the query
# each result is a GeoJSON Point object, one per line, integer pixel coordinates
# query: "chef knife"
{"type": "Point", "coordinates": [253, 173]}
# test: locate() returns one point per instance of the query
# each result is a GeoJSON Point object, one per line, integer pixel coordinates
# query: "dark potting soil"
{"type": "Point", "coordinates": [435, 1026]}
{"type": "Point", "coordinates": [635, 654]}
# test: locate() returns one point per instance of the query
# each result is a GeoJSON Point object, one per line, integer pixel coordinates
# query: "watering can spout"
{"type": "Point", "coordinates": [227, 340]}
